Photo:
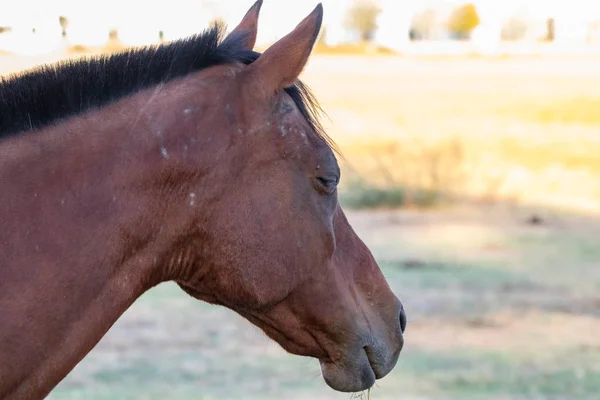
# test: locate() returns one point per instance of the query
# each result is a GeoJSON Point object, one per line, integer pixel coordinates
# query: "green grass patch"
{"type": "Point", "coordinates": [447, 275]}
{"type": "Point", "coordinates": [548, 376]}
{"type": "Point", "coordinates": [471, 374]}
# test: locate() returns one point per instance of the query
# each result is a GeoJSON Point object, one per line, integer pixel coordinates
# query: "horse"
{"type": "Point", "coordinates": [200, 162]}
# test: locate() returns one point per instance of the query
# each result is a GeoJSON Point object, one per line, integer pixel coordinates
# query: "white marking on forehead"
{"type": "Point", "coordinates": [192, 198]}
{"type": "Point", "coordinates": [187, 111]}
{"type": "Point", "coordinates": [164, 152]}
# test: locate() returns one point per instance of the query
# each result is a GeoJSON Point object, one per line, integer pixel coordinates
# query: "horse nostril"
{"type": "Point", "coordinates": [402, 319]}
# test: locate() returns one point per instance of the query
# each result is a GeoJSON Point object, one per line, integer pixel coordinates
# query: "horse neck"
{"type": "Point", "coordinates": [82, 236]}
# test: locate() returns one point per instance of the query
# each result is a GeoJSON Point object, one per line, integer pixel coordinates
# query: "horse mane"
{"type": "Point", "coordinates": [49, 93]}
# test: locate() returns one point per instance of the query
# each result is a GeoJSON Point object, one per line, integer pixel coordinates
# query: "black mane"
{"type": "Point", "coordinates": [52, 92]}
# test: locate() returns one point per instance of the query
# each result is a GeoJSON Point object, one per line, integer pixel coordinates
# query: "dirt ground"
{"type": "Point", "coordinates": [498, 307]}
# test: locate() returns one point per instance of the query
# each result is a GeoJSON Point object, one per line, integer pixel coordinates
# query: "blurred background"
{"type": "Point", "coordinates": [470, 135]}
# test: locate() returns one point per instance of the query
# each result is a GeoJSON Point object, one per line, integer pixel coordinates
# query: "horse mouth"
{"type": "Point", "coordinates": [359, 372]}
{"type": "Point", "coordinates": [382, 368]}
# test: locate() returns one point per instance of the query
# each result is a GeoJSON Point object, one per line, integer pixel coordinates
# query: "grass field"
{"type": "Point", "coordinates": [523, 130]}
{"type": "Point", "coordinates": [498, 307]}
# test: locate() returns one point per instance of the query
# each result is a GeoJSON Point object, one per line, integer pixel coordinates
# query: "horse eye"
{"type": "Point", "coordinates": [328, 182]}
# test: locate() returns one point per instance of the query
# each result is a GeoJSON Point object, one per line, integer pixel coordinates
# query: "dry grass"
{"type": "Point", "coordinates": [516, 129]}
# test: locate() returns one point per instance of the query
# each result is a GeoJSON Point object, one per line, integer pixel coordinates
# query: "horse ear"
{"type": "Point", "coordinates": [248, 27]}
{"type": "Point", "coordinates": [281, 64]}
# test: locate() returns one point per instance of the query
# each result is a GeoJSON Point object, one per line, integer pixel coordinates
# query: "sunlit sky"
{"type": "Point", "coordinates": [137, 20]}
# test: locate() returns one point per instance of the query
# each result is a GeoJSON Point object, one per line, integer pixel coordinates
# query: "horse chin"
{"type": "Point", "coordinates": [354, 377]}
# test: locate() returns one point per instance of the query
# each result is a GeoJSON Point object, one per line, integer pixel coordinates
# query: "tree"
{"type": "Point", "coordinates": [362, 19]}
{"type": "Point", "coordinates": [550, 30]}
{"type": "Point", "coordinates": [423, 24]}
{"type": "Point", "coordinates": [64, 23]}
{"type": "Point", "coordinates": [463, 21]}
{"type": "Point", "coordinates": [514, 29]}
